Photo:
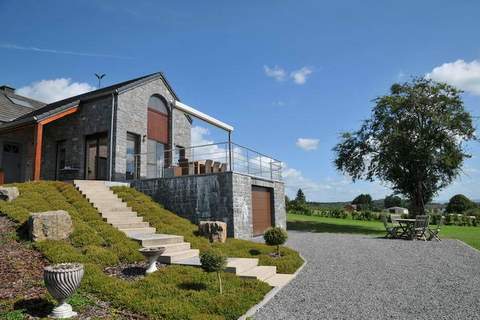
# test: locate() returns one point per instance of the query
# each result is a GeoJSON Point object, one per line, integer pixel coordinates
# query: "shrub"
{"type": "Point", "coordinates": [214, 261]}
{"type": "Point", "coordinates": [275, 236]}
{"type": "Point", "coordinates": [459, 204]}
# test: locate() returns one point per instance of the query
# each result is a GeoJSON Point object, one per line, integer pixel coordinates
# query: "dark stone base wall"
{"type": "Point", "coordinates": [223, 197]}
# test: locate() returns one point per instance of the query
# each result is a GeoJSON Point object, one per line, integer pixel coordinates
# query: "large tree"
{"type": "Point", "coordinates": [363, 201]}
{"type": "Point", "coordinates": [300, 198]}
{"type": "Point", "coordinates": [392, 201]}
{"type": "Point", "coordinates": [414, 141]}
{"type": "Point", "coordinates": [459, 204]}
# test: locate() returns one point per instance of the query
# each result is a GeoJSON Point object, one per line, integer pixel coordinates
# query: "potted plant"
{"type": "Point", "coordinates": [61, 281]}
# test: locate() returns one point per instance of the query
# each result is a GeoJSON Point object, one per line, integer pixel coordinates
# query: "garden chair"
{"type": "Point", "coordinates": [216, 167]}
{"type": "Point", "coordinates": [433, 233]}
{"type": "Point", "coordinates": [393, 218]}
{"type": "Point", "coordinates": [391, 230]}
{"type": "Point", "coordinates": [208, 166]}
{"type": "Point", "coordinates": [421, 227]}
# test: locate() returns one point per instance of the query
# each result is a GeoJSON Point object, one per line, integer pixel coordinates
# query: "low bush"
{"type": "Point", "coordinates": [275, 236]}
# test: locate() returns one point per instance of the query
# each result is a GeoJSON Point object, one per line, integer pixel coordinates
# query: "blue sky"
{"type": "Point", "coordinates": [278, 71]}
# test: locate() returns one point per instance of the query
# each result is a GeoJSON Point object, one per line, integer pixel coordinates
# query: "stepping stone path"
{"type": "Point", "coordinates": [117, 213]}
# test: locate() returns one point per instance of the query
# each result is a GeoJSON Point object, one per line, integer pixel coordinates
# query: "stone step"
{"type": "Point", "coordinates": [157, 240]}
{"type": "Point", "coordinates": [279, 279]}
{"type": "Point", "coordinates": [261, 273]}
{"type": "Point", "coordinates": [173, 247]}
{"type": "Point", "coordinates": [104, 209]}
{"type": "Point", "coordinates": [130, 225]}
{"type": "Point", "coordinates": [239, 265]}
{"type": "Point", "coordinates": [112, 219]}
{"type": "Point", "coordinates": [119, 214]}
{"type": "Point", "coordinates": [102, 197]}
{"type": "Point", "coordinates": [178, 256]}
{"type": "Point", "coordinates": [135, 231]}
{"type": "Point", "coordinates": [109, 203]}
{"type": "Point", "coordinates": [191, 262]}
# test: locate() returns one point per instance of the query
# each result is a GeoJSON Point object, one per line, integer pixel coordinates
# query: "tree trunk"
{"type": "Point", "coordinates": [220, 282]}
{"type": "Point", "coordinates": [418, 205]}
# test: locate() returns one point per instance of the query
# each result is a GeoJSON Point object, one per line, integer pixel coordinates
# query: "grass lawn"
{"type": "Point", "coordinates": [469, 235]}
{"type": "Point", "coordinates": [174, 292]}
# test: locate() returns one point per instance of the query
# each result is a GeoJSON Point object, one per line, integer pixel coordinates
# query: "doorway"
{"type": "Point", "coordinates": [96, 157]}
{"type": "Point", "coordinates": [11, 162]}
{"type": "Point", "coordinates": [261, 209]}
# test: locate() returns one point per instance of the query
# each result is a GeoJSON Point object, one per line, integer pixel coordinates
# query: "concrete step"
{"type": "Point", "coordinates": [135, 231]}
{"type": "Point", "coordinates": [104, 209]}
{"type": "Point", "coordinates": [279, 279]}
{"type": "Point", "coordinates": [173, 247]}
{"type": "Point", "coordinates": [260, 273]}
{"type": "Point", "coordinates": [130, 225]}
{"type": "Point", "coordinates": [239, 265]}
{"type": "Point", "coordinates": [113, 219]}
{"type": "Point", "coordinates": [178, 256]}
{"type": "Point", "coordinates": [157, 240]}
{"type": "Point", "coordinates": [191, 262]}
{"type": "Point", "coordinates": [119, 214]}
{"type": "Point", "coordinates": [102, 197]}
{"type": "Point", "coordinates": [109, 203]}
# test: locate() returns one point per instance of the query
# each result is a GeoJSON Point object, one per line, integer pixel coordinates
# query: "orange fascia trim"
{"type": "Point", "coordinates": [37, 167]}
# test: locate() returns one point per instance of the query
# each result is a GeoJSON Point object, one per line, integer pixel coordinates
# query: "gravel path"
{"type": "Point", "coordinates": [360, 277]}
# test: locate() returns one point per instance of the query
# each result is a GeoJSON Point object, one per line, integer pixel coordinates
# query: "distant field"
{"type": "Point", "coordinates": [469, 235]}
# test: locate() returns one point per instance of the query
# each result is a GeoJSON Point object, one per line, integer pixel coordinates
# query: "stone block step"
{"type": "Point", "coordinates": [109, 203]}
{"type": "Point", "coordinates": [134, 231]}
{"type": "Point", "coordinates": [239, 265]}
{"type": "Point", "coordinates": [260, 273]}
{"type": "Point", "coordinates": [178, 256]}
{"type": "Point", "coordinates": [104, 209]}
{"type": "Point", "coordinates": [279, 280]}
{"type": "Point", "coordinates": [102, 197]}
{"type": "Point", "coordinates": [156, 240]}
{"type": "Point", "coordinates": [173, 247]}
{"type": "Point", "coordinates": [119, 214]}
{"type": "Point", "coordinates": [191, 262]}
{"type": "Point", "coordinates": [113, 219]}
{"type": "Point", "coordinates": [130, 225]}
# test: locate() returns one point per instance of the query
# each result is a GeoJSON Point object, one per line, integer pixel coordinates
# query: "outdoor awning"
{"type": "Point", "coordinates": [202, 116]}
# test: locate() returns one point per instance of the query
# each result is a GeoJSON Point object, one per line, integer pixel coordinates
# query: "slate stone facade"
{"type": "Point", "coordinates": [223, 197]}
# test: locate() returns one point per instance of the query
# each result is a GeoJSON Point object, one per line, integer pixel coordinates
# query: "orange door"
{"type": "Point", "coordinates": [261, 209]}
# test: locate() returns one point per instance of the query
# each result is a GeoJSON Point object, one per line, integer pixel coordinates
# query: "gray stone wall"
{"type": "Point", "coordinates": [91, 118]}
{"type": "Point", "coordinates": [25, 138]}
{"type": "Point", "coordinates": [224, 197]}
{"type": "Point", "coordinates": [132, 117]}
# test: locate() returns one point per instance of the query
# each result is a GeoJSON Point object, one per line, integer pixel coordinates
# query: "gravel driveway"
{"type": "Point", "coordinates": [360, 277]}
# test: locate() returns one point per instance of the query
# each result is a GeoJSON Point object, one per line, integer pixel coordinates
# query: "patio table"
{"type": "Point", "coordinates": [407, 226]}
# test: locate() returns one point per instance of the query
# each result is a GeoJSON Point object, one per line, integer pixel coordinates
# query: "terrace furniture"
{"type": "Point", "coordinates": [407, 226]}
{"type": "Point", "coordinates": [216, 167]}
{"type": "Point", "coordinates": [223, 167]}
{"type": "Point", "coordinates": [421, 227]}
{"type": "Point", "coordinates": [208, 166]}
{"type": "Point", "coordinates": [394, 217]}
{"type": "Point", "coordinates": [391, 230]}
{"type": "Point", "coordinates": [433, 233]}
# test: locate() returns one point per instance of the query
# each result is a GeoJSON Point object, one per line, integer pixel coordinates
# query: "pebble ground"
{"type": "Point", "coordinates": [360, 277]}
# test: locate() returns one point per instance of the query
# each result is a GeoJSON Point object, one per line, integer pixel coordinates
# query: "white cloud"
{"type": "Point", "coordinates": [277, 73]}
{"type": "Point", "coordinates": [461, 74]}
{"type": "Point", "coordinates": [307, 144]}
{"type": "Point", "coordinates": [54, 90]}
{"type": "Point", "coordinates": [300, 76]}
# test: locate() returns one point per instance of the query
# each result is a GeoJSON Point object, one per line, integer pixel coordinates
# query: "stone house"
{"type": "Point", "coordinates": [139, 132]}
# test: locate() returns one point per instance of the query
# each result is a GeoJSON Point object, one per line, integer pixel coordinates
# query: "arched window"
{"type": "Point", "coordinates": [158, 119]}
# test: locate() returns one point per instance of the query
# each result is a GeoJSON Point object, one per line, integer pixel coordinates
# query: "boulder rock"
{"type": "Point", "coordinates": [50, 225]}
{"type": "Point", "coordinates": [215, 231]}
{"type": "Point", "coordinates": [9, 193]}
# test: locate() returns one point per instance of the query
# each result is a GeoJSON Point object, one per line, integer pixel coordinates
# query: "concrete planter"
{"type": "Point", "coordinates": [61, 281]}
{"type": "Point", "coordinates": [152, 254]}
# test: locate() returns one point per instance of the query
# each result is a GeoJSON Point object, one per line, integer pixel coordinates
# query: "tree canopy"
{"type": "Point", "coordinates": [393, 201]}
{"type": "Point", "coordinates": [459, 204]}
{"type": "Point", "coordinates": [300, 198]}
{"type": "Point", "coordinates": [414, 141]}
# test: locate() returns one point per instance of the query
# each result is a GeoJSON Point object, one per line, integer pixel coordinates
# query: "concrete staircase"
{"type": "Point", "coordinates": [117, 213]}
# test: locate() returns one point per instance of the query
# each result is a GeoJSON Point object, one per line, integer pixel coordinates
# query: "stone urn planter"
{"type": "Point", "coordinates": [152, 255]}
{"type": "Point", "coordinates": [61, 281]}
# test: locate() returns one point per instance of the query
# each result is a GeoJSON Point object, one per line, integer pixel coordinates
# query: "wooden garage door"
{"type": "Point", "coordinates": [261, 209]}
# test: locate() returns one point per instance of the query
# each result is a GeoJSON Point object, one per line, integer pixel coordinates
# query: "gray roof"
{"type": "Point", "coordinates": [38, 113]}
{"type": "Point", "coordinates": [13, 106]}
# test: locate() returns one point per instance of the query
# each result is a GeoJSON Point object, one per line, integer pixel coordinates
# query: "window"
{"type": "Point", "coordinates": [133, 156]}
{"type": "Point", "coordinates": [61, 158]}
{"type": "Point", "coordinates": [158, 120]}
{"type": "Point", "coordinates": [156, 103]}
{"type": "Point", "coordinates": [155, 159]}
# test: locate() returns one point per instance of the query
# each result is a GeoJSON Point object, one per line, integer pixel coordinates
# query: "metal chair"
{"type": "Point", "coordinates": [421, 227]}
{"type": "Point", "coordinates": [391, 231]}
{"type": "Point", "coordinates": [433, 233]}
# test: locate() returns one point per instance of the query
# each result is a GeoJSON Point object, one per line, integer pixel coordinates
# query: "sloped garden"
{"type": "Point", "coordinates": [173, 292]}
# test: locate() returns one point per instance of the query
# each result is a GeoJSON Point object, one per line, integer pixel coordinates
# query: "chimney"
{"type": "Point", "coordinates": [7, 89]}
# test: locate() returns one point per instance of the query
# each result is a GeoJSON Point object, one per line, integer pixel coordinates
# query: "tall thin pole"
{"type": "Point", "coordinates": [230, 150]}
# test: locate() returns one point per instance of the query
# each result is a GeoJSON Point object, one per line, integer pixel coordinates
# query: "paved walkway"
{"type": "Point", "coordinates": [360, 277]}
